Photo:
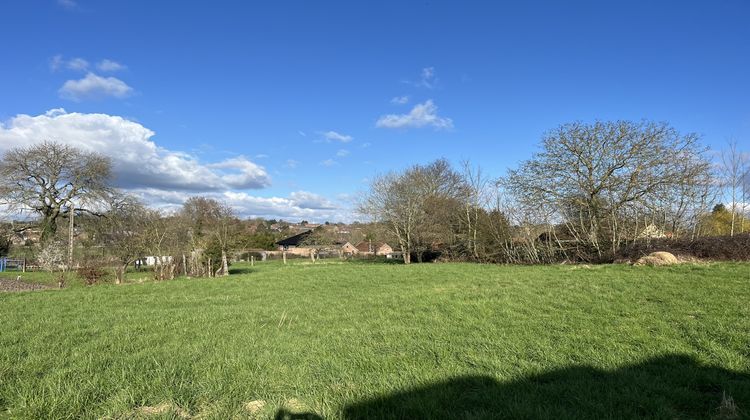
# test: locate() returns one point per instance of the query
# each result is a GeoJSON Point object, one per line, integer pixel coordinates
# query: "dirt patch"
{"type": "Point", "coordinates": [14, 285]}
{"type": "Point", "coordinates": [253, 407]}
{"type": "Point", "coordinates": [658, 258]}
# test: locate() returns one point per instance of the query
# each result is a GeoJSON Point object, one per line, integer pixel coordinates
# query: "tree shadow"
{"type": "Point", "coordinates": [241, 270]}
{"type": "Point", "coordinates": [379, 260]}
{"type": "Point", "coordinates": [284, 414]}
{"type": "Point", "coordinates": [672, 386]}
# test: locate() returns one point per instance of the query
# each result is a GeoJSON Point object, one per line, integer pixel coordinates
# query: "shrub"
{"type": "Point", "coordinates": [91, 273]}
{"type": "Point", "coordinates": [719, 248]}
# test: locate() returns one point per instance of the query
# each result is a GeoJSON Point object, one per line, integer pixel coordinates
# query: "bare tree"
{"type": "Point", "coordinates": [733, 169]}
{"type": "Point", "coordinates": [411, 203]}
{"type": "Point", "coordinates": [122, 230]}
{"type": "Point", "coordinates": [209, 221]}
{"type": "Point", "coordinates": [53, 180]}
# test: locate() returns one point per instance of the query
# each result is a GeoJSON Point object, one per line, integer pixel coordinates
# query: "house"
{"type": "Point", "coordinates": [348, 249]}
{"type": "Point", "coordinates": [374, 248]}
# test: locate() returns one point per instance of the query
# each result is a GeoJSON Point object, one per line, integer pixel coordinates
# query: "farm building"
{"type": "Point", "coordinates": [294, 244]}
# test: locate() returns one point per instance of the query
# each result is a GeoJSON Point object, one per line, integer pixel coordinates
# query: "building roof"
{"type": "Point", "coordinates": [295, 240]}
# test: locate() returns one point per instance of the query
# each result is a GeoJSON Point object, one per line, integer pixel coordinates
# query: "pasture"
{"type": "Point", "coordinates": [345, 340]}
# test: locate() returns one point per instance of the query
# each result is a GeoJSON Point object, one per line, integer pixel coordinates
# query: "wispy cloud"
{"type": "Point", "coordinates": [329, 162]}
{"type": "Point", "coordinates": [68, 4]}
{"type": "Point", "coordinates": [78, 64]}
{"type": "Point", "coordinates": [342, 153]}
{"type": "Point", "coordinates": [400, 100]}
{"type": "Point", "coordinates": [427, 79]}
{"type": "Point", "coordinates": [291, 164]}
{"type": "Point", "coordinates": [109, 65]}
{"type": "Point", "coordinates": [301, 133]}
{"type": "Point", "coordinates": [334, 136]}
{"type": "Point", "coordinates": [58, 63]}
{"type": "Point", "coordinates": [422, 115]}
{"type": "Point", "coordinates": [93, 86]}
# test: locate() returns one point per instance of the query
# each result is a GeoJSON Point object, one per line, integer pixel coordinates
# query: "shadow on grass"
{"type": "Point", "coordinates": [673, 386]}
{"type": "Point", "coordinates": [375, 260]}
{"type": "Point", "coordinates": [284, 414]}
{"type": "Point", "coordinates": [241, 270]}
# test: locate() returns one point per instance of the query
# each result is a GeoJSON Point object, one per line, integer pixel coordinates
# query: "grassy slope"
{"type": "Point", "coordinates": [354, 339]}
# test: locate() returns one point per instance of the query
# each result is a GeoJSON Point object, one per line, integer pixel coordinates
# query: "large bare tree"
{"type": "Point", "coordinates": [601, 178]}
{"type": "Point", "coordinates": [52, 180]}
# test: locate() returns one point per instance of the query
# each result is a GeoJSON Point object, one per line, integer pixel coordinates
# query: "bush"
{"type": "Point", "coordinates": [719, 248]}
{"type": "Point", "coordinates": [91, 273]}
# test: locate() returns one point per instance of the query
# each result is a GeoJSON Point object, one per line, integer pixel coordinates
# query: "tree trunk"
{"type": "Point", "coordinates": [406, 254]}
{"type": "Point", "coordinates": [120, 273]}
{"type": "Point", "coordinates": [224, 263]}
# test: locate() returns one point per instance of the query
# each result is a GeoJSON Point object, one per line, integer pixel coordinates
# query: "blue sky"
{"type": "Point", "coordinates": [287, 108]}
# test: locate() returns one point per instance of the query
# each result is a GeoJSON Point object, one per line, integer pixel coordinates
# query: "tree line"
{"type": "Point", "coordinates": [590, 190]}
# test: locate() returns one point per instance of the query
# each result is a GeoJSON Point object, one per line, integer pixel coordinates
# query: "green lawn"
{"type": "Point", "coordinates": [363, 340]}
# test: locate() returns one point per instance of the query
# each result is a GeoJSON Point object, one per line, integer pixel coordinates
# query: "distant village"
{"type": "Point", "coordinates": [264, 238]}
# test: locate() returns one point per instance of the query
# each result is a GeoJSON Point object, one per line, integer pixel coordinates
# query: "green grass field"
{"type": "Point", "coordinates": [365, 340]}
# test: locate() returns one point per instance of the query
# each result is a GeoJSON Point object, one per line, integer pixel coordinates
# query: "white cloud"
{"type": "Point", "coordinates": [308, 200]}
{"type": "Point", "coordinates": [342, 153]}
{"type": "Point", "coordinates": [299, 205]}
{"type": "Point", "coordinates": [422, 115]}
{"type": "Point", "coordinates": [400, 100]}
{"type": "Point", "coordinates": [261, 156]}
{"type": "Point", "coordinates": [301, 133]}
{"type": "Point", "coordinates": [109, 65]}
{"type": "Point", "coordinates": [138, 162]}
{"type": "Point", "coordinates": [241, 174]}
{"type": "Point", "coordinates": [366, 145]}
{"type": "Point", "coordinates": [94, 87]}
{"type": "Point", "coordinates": [334, 136]}
{"type": "Point", "coordinates": [329, 162]}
